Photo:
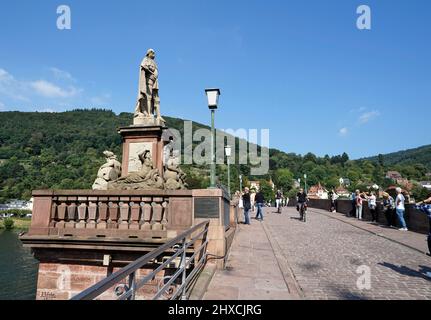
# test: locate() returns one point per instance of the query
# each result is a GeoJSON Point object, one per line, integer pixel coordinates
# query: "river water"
{"type": "Point", "coordinates": [18, 268]}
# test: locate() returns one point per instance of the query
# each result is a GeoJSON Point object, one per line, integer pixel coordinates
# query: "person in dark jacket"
{"type": "Point", "coordinates": [247, 205]}
{"type": "Point", "coordinates": [425, 207]}
{"type": "Point", "coordinates": [260, 200]}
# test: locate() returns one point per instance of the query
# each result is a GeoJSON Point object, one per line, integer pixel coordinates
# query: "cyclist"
{"type": "Point", "coordinates": [302, 199]}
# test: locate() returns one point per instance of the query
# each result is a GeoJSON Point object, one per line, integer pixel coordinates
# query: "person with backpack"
{"type": "Point", "coordinates": [358, 204]}
{"type": "Point", "coordinates": [388, 209]}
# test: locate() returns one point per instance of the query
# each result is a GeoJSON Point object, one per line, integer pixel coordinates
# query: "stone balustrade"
{"type": "Point", "coordinates": [129, 213]}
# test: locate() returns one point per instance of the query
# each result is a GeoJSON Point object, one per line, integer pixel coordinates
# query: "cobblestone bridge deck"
{"type": "Point", "coordinates": [284, 258]}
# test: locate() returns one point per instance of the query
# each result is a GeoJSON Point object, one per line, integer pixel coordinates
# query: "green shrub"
{"type": "Point", "coordinates": [8, 223]}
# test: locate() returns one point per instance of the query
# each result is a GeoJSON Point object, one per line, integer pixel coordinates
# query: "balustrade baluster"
{"type": "Point", "coordinates": [103, 215]}
{"type": "Point", "coordinates": [71, 215]}
{"type": "Point", "coordinates": [157, 216]}
{"type": "Point", "coordinates": [82, 215]}
{"type": "Point", "coordinates": [146, 207]}
{"type": "Point", "coordinates": [124, 216]}
{"type": "Point", "coordinates": [134, 216]}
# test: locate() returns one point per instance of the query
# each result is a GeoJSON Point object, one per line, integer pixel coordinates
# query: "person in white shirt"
{"type": "Point", "coordinates": [400, 209]}
{"type": "Point", "coordinates": [333, 198]}
{"type": "Point", "coordinates": [372, 205]}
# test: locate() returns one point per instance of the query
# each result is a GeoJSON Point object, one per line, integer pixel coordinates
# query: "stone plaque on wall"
{"type": "Point", "coordinates": [134, 164]}
{"type": "Point", "coordinates": [206, 207]}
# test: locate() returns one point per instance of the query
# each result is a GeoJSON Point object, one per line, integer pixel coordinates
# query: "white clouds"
{"type": "Point", "coordinates": [51, 90]}
{"type": "Point", "coordinates": [11, 88]}
{"type": "Point", "coordinates": [57, 89]}
{"type": "Point", "coordinates": [368, 116]}
{"type": "Point", "coordinates": [363, 117]}
{"type": "Point", "coordinates": [5, 76]}
{"type": "Point", "coordinates": [343, 132]}
{"type": "Point", "coordinates": [14, 90]}
{"type": "Point", "coordinates": [61, 74]}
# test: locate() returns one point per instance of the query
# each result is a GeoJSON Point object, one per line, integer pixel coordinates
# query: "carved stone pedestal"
{"type": "Point", "coordinates": [138, 138]}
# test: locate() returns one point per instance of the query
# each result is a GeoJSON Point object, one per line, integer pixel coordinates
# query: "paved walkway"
{"type": "Point", "coordinates": [284, 258]}
{"type": "Point", "coordinates": [252, 271]}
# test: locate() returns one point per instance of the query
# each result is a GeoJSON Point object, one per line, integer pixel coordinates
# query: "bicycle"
{"type": "Point", "coordinates": [303, 212]}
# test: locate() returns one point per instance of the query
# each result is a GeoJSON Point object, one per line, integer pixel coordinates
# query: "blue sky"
{"type": "Point", "coordinates": [300, 68]}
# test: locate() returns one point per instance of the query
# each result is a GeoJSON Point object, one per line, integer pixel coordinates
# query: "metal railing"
{"type": "Point", "coordinates": [180, 244]}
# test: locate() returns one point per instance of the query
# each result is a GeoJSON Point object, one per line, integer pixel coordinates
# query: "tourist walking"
{"type": "Point", "coordinates": [388, 209]}
{"type": "Point", "coordinates": [372, 205]}
{"type": "Point", "coordinates": [333, 196]}
{"type": "Point", "coordinates": [425, 207]}
{"type": "Point", "coordinates": [252, 199]}
{"type": "Point", "coordinates": [260, 200]}
{"type": "Point", "coordinates": [278, 201]}
{"type": "Point", "coordinates": [247, 205]}
{"type": "Point", "coordinates": [358, 204]}
{"type": "Point", "coordinates": [400, 209]}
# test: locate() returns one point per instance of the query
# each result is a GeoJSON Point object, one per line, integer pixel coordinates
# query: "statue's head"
{"type": "Point", "coordinates": [109, 154]}
{"type": "Point", "coordinates": [151, 54]}
{"type": "Point", "coordinates": [145, 155]}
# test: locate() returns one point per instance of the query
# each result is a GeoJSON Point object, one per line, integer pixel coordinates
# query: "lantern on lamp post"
{"type": "Point", "coordinates": [228, 152]}
{"type": "Point", "coordinates": [212, 96]}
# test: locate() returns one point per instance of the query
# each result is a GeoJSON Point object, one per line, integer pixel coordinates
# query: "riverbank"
{"type": "Point", "coordinates": [19, 223]}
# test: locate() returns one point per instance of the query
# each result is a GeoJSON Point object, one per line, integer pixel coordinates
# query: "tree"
{"type": "Point", "coordinates": [381, 160]}
{"type": "Point", "coordinates": [420, 193]}
{"type": "Point", "coordinates": [310, 157]}
{"type": "Point", "coordinates": [344, 158]}
{"type": "Point", "coordinates": [283, 179]}
{"type": "Point", "coordinates": [266, 189]}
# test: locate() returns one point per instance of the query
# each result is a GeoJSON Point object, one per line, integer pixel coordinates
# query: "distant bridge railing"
{"type": "Point", "coordinates": [180, 279]}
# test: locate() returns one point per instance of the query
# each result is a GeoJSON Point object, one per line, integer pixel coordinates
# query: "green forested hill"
{"type": "Point", "coordinates": [406, 157]}
{"type": "Point", "coordinates": [64, 151]}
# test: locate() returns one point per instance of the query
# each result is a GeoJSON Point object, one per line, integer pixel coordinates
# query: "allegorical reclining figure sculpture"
{"type": "Point", "coordinates": [147, 178]}
{"type": "Point", "coordinates": [110, 171]}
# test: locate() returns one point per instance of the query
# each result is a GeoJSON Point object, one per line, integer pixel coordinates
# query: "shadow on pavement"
{"type": "Point", "coordinates": [408, 271]}
{"type": "Point", "coordinates": [311, 266]}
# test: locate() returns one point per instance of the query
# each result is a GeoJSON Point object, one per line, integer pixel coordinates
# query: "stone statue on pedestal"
{"type": "Point", "coordinates": [147, 178]}
{"type": "Point", "coordinates": [174, 176]}
{"type": "Point", "coordinates": [148, 104]}
{"type": "Point", "coordinates": [110, 171]}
